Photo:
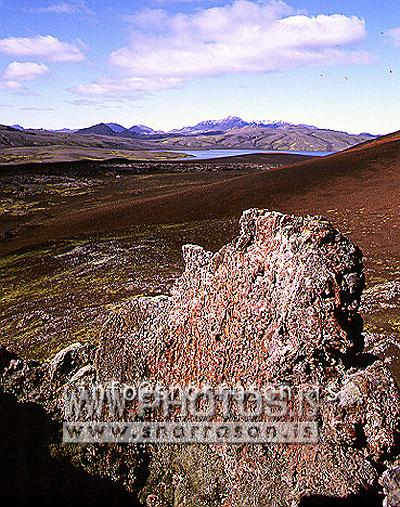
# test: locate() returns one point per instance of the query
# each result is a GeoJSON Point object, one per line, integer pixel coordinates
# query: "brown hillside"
{"type": "Point", "coordinates": [358, 189]}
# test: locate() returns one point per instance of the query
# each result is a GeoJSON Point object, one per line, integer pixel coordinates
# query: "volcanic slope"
{"type": "Point", "coordinates": [360, 186]}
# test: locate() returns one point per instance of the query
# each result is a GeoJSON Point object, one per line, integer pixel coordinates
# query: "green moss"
{"type": "Point", "coordinates": [370, 328]}
{"type": "Point", "coordinates": [373, 280]}
{"type": "Point", "coordinates": [8, 260]}
{"type": "Point", "coordinates": [395, 324]}
{"type": "Point", "coordinates": [44, 286]}
{"type": "Point", "coordinates": [86, 334]}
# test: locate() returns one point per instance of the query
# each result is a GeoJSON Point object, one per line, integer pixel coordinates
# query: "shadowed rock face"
{"type": "Point", "coordinates": [278, 304]}
{"type": "Point", "coordinates": [31, 475]}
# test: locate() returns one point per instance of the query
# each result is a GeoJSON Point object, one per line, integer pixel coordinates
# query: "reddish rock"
{"type": "Point", "coordinates": [278, 304]}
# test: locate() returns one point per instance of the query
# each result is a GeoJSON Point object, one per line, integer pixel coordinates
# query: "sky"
{"type": "Point", "coordinates": [166, 64]}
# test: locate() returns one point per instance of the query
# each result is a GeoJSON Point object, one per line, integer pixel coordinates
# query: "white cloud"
{"type": "Point", "coordinates": [83, 102]}
{"type": "Point", "coordinates": [18, 73]}
{"type": "Point", "coordinates": [47, 47]}
{"type": "Point", "coordinates": [242, 37]}
{"type": "Point", "coordinates": [60, 8]}
{"type": "Point", "coordinates": [38, 108]}
{"type": "Point", "coordinates": [11, 85]}
{"type": "Point", "coordinates": [77, 7]}
{"type": "Point", "coordinates": [25, 71]}
{"type": "Point", "coordinates": [394, 36]}
{"type": "Point", "coordinates": [104, 87]}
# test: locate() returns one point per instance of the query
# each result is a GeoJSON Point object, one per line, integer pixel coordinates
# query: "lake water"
{"type": "Point", "coordinates": [206, 154]}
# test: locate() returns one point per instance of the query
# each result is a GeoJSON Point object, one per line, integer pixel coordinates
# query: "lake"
{"type": "Point", "coordinates": [206, 154]}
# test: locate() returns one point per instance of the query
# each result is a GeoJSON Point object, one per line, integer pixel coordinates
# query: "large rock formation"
{"type": "Point", "coordinates": [279, 304]}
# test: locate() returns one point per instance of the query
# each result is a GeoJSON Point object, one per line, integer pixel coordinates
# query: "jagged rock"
{"type": "Point", "coordinates": [278, 304]}
{"type": "Point", "coordinates": [286, 289]}
{"type": "Point", "coordinates": [68, 361]}
{"type": "Point", "coordinates": [43, 382]}
{"type": "Point", "coordinates": [390, 481]}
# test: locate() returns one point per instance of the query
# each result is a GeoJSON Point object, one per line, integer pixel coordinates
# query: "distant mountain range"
{"type": "Point", "coordinates": [228, 123]}
{"type": "Point", "coordinates": [231, 132]}
{"type": "Point", "coordinates": [203, 128]}
{"type": "Point", "coordinates": [112, 129]}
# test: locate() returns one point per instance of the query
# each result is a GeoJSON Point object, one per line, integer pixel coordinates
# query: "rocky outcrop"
{"type": "Point", "coordinates": [391, 486]}
{"type": "Point", "coordinates": [44, 382]}
{"type": "Point", "coordinates": [279, 304]}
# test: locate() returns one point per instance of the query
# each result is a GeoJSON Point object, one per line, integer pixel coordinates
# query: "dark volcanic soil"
{"type": "Point", "coordinates": [119, 235]}
{"type": "Point", "coordinates": [35, 199]}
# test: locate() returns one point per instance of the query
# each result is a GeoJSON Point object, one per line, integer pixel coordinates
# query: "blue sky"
{"type": "Point", "coordinates": [164, 63]}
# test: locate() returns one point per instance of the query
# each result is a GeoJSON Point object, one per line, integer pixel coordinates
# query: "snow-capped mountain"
{"type": "Point", "coordinates": [225, 124]}
{"type": "Point", "coordinates": [116, 127]}
{"type": "Point", "coordinates": [222, 125]}
{"type": "Point", "coordinates": [140, 129]}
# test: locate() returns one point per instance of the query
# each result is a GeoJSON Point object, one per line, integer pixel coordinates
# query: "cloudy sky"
{"type": "Point", "coordinates": [168, 63]}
